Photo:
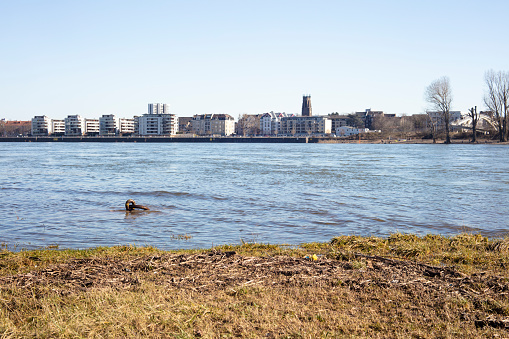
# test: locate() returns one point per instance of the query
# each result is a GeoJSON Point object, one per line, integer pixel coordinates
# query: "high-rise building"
{"type": "Point", "coordinates": [158, 109]}
{"type": "Point", "coordinates": [158, 121]}
{"type": "Point", "coordinates": [306, 106]}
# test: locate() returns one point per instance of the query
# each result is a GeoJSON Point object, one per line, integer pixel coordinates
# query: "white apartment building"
{"type": "Point", "coordinates": [158, 121]}
{"type": "Point", "coordinates": [213, 124]}
{"type": "Point", "coordinates": [41, 125]}
{"type": "Point", "coordinates": [157, 124]}
{"type": "Point", "coordinates": [270, 123]}
{"type": "Point", "coordinates": [158, 109]}
{"type": "Point", "coordinates": [306, 125]}
{"type": "Point", "coordinates": [125, 126]}
{"type": "Point", "coordinates": [75, 125]}
{"type": "Point", "coordinates": [345, 131]}
{"type": "Point", "coordinates": [58, 127]}
{"type": "Point", "coordinates": [109, 125]}
{"type": "Point", "coordinates": [92, 126]}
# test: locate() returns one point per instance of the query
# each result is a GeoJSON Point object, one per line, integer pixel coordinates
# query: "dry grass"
{"type": "Point", "coordinates": [402, 286]}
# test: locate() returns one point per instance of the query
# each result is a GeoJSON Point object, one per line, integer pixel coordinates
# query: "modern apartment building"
{"type": "Point", "coordinates": [213, 124]}
{"type": "Point", "coordinates": [307, 125]}
{"type": "Point", "coordinates": [41, 125]}
{"type": "Point", "coordinates": [92, 127]}
{"type": "Point", "coordinates": [75, 125]}
{"type": "Point", "coordinates": [158, 121]}
{"type": "Point", "coordinates": [109, 125]}
{"type": "Point", "coordinates": [157, 124]}
{"type": "Point", "coordinates": [58, 127]}
{"type": "Point", "coordinates": [125, 126]}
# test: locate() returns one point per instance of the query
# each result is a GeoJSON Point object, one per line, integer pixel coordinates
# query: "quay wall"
{"type": "Point", "coordinates": [166, 139]}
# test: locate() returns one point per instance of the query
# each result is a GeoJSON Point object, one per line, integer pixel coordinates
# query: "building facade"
{"type": "Point", "coordinates": [92, 127]}
{"type": "Point", "coordinates": [338, 120]}
{"type": "Point", "coordinates": [270, 123]}
{"type": "Point", "coordinates": [312, 125]}
{"type": "Point", "coordinates": [41, 125]}
{"type": "Point", "coordinates": [437, 118]}
{"type": "Point", "coordinates": [125, 126]}
{"type": "Point", "coordinates": [345, 131]}
{"type": "Point", "coordinates": [75, 125]}
{"type": "Point", "coordinates": [58, 127]}
{"type": "Point", "coordinates": [157, 124]}
{"type": "Point", "coordinates": [108, 125]}
{"type": "Point", "coordinates": [213, 124]}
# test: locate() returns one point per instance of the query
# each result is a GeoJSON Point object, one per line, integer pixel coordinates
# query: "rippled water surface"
{"type": "Point", "coordinates": [73, 194]}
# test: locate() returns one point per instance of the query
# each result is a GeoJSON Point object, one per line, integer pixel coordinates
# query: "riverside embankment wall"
{"type": "Point", "coordinates": [167, 139]}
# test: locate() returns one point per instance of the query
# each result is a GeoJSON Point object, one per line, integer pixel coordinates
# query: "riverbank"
{"type": "Point", "coordinates": [236, 139]}
{"type": "Point", "coordinates": [399, 286]}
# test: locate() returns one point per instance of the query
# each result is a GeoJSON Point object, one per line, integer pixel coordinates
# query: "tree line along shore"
{"type": "Point", "coordinates": [399, 286]}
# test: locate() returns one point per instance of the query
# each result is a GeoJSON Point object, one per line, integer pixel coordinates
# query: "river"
{"type": "Point", "coordinates": [205, 194]}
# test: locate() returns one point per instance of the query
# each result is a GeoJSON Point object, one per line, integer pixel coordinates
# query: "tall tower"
{"type": "Point", "coordinates": [158, 109]}
{"type": "Point", "coordinates": [306, 106]}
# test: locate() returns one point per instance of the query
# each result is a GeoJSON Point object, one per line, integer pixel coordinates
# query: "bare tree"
{"type": "Point", "coordinates": [249, 124]}
{"type": "Point", "coordinates": [355, 120]}
{"type": "Point", "coordinates": [439, 95]}
{"type": "Point", "coordinates": [406, 126]}
{"type": "Point", "coordinates": [433, 127]}
{"type": "Point", "coordinates": [379, 122]}
{"type": "Point", "coordinates": [497, 99]}
{"type": "Point", "coordinates": [420, 122]}
{"type": "Point", "coordinates": [472, 113]}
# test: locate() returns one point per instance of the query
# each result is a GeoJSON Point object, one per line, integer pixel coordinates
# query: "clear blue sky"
{"type": "Point", "coordinates": [115, 57]}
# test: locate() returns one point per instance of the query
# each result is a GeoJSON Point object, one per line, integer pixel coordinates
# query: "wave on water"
{"type": "Point", "coordinates": [161, 194]}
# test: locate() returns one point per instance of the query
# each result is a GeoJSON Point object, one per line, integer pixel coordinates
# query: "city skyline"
{"type": "Point", "coordinates": [98, 58]}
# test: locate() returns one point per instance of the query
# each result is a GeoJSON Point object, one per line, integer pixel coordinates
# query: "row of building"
{"type": "Point", "coordinates": [160, 124]}
{"type": "Point", "coordinates": [152, 124]}
{"type": "Point", "coordinates": [158, 121]}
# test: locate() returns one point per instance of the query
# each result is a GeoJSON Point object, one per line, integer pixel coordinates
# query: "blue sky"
{"type": "Point", "coordinates": [115, 57]}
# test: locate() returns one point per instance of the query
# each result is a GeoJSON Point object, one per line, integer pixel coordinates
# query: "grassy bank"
{"type": "Point", "coordinates": [401, 286]}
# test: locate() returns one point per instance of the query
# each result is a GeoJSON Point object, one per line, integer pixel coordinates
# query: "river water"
{"type": "Point", "coordinates": [73, 194]}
